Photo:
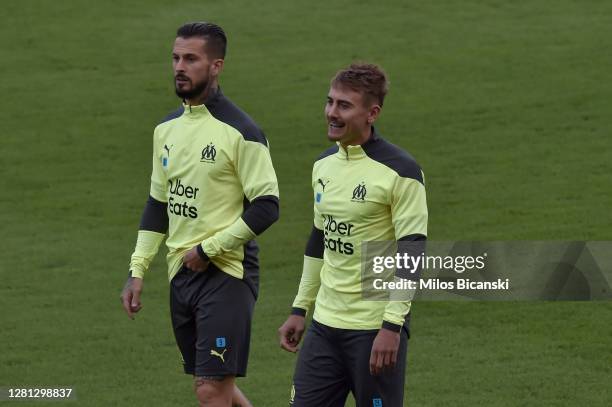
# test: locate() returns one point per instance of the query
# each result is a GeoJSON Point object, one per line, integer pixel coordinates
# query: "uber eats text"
{"type": "Point", "coordinates": [176, 203]}
{"type": "Point", "coordinates": [341, 228]}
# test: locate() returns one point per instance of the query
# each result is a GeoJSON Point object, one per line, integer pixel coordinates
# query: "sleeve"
{"type": "Point", "coordinates": [155, 216]}
{"type": "Point", "coordinates": [261, 213]}
{"type": "Point", "coordinates": [159, 181]}
{"type": "Point", "coordinates": [147, 245]}
{"type": "Point", "coordinates": [313, 263]}
{"type": "Point", "coordinates": [311, 273]}
{"type": "Point", "coordinates": [153, 228]}
{"type": "Point", "coordinates": [317, 218]}
{"type": "Point", "coordinates": [408, 208]}
{"type": "Point", "coordinates": [409, 217]}
{"type": "Point", "coordinates": [154, 220]}
{"type": "Point", "coordinates": [254, 169]}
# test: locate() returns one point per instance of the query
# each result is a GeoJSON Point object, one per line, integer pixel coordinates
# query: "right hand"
{"type": "Point", "coordinates": [130, 296]}
{"type": "Point", "coordinates": [290, 333]}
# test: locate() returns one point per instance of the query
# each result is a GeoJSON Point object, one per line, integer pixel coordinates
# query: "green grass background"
{"type": "Point", "coordinates": [506, 105]}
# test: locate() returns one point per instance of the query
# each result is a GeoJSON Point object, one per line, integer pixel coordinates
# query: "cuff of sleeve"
{"type": "Point", "coordinates": [298, 311]}
{"type": "Point", "coordinates": [137, 272]}
{"type": "Point", "coordinates": [202, 254]}
{"type": "Point", "coordinates": [391, 326]}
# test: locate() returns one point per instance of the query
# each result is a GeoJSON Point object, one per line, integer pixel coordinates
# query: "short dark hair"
{"type": "Point", "coordinates": [216, 41]}
{"type": "Point", "coordinates": [368, 79]}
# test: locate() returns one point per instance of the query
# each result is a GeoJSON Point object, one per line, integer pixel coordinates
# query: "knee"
{"type": "Point", "coordinates": [214, 392]}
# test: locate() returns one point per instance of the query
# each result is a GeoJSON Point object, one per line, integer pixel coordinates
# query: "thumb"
{"type": "Point", "coordinates": [136, 300]}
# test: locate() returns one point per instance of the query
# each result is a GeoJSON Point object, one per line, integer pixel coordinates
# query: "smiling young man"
{"type": "Point", "coordinates": [213, 189]}
{"type": "Point", "coordinates": [365, 189]}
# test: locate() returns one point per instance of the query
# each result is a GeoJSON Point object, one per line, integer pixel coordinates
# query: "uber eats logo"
{"type": "Point", "coordinates": [343, 229]}
{"type": "Point", "coordinates": [176, 205]}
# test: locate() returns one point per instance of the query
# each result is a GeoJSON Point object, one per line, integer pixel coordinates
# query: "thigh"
{"type": "Point", "coordinates": [320, 375]}
{"type": "Point", "coordinates": [385, 390]}
{"type": "Point", "coordinates": [223, 313]}
{"type": "Point", "coordinates": [183, 321]}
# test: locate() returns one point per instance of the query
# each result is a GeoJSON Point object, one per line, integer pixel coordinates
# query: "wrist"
{"type": "Point", "coordinates": [136, 271]}
{"type": "Point", "coordinates": [300, 312]}
{"type": "Point", "coordinates": [201, 253]}
{"type": "Point", "coordinates": [390, 326]}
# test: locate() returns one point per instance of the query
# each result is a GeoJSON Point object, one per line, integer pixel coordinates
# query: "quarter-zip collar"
{"type": "Point", "coordinates": [202, 111]}
{"type": "Point", "coordinates": [357, 152]}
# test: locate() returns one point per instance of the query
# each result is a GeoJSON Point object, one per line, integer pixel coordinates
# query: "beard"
{"type": "Point", "coordinates": [194, 90]}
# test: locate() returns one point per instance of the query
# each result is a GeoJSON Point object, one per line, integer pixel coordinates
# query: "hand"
{"type": "Point", "coordinates": [130, 296]}
{"type": "Point", "coordinates": [384, 351]}
{"type": "Point", "coordinates": [290, 333]}
{"type": "Point", "coordinates": [194, 262]}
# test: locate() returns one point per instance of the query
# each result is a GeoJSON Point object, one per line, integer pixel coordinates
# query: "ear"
{"type": "Point", "coordinates": [216, 67]}
{"type": "Point", "coordinates": [373, 114]}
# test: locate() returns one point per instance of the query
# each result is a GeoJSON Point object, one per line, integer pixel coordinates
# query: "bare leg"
{"type": "Point", "coordinates": [214, 391]}
{"type": "Point", "coordinates": [239, 399]}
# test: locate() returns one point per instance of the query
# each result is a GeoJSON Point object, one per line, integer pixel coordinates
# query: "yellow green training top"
{"type": "Point", "coordinates": [212, 170]}
{"type": "Point", "coordinates": [368, 192]}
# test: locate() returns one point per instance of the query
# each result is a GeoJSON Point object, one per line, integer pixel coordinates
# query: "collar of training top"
{"type": "Point", "coordinates": [358, 151]}
{"type": "Point", "coordinates": [202, 110]}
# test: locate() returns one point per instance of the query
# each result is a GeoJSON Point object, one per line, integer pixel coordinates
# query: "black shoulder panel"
{"type": "Point", "coordinates": [330, 151]}
{"type": "Point", "coordinates": [393, 157]}
{"type": "Point", "coordinates": [227, 112]}
{"type": "Point", "coordinates": [177, 113]}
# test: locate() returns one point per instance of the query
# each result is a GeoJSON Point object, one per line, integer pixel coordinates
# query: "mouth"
{"type": "Point", "coordinates": [335, 129]}
{"type": "Point", "coordinates": [336, 125]}
{"type": "Point", "coordinates": [181, 80]}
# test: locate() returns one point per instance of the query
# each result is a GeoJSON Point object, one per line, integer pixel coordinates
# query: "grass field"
{"type": "Point", "coordinates": [506, 106]}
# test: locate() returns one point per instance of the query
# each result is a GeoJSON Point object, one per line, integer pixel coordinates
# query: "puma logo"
{"type": "Point", "coordinates": [323, 183]}
{"type": "Point", "coordinates": [220, 355]}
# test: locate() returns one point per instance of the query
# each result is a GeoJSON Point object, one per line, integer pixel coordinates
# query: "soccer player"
{"type": "Point", "coordinates": [365, 189]}
{"type": "Point", "coordinates": [213, 189]}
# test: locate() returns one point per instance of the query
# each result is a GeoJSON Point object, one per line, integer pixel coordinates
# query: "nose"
{"type": "Point", "coordinates": [331, 111]}
{"type": "Point", "coordinates": [179, 65]}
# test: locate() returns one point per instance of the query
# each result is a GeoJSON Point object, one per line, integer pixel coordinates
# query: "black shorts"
{"type": "Point", "coordinates": [334, 361]}
{"type": "Point", "coordinates": [211, 316]}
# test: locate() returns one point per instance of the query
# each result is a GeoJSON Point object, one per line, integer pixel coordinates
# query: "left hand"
{"type": "Point", "coordinates": [194, 262]}
{"type": "Point", "coordinates": [384, 351]}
